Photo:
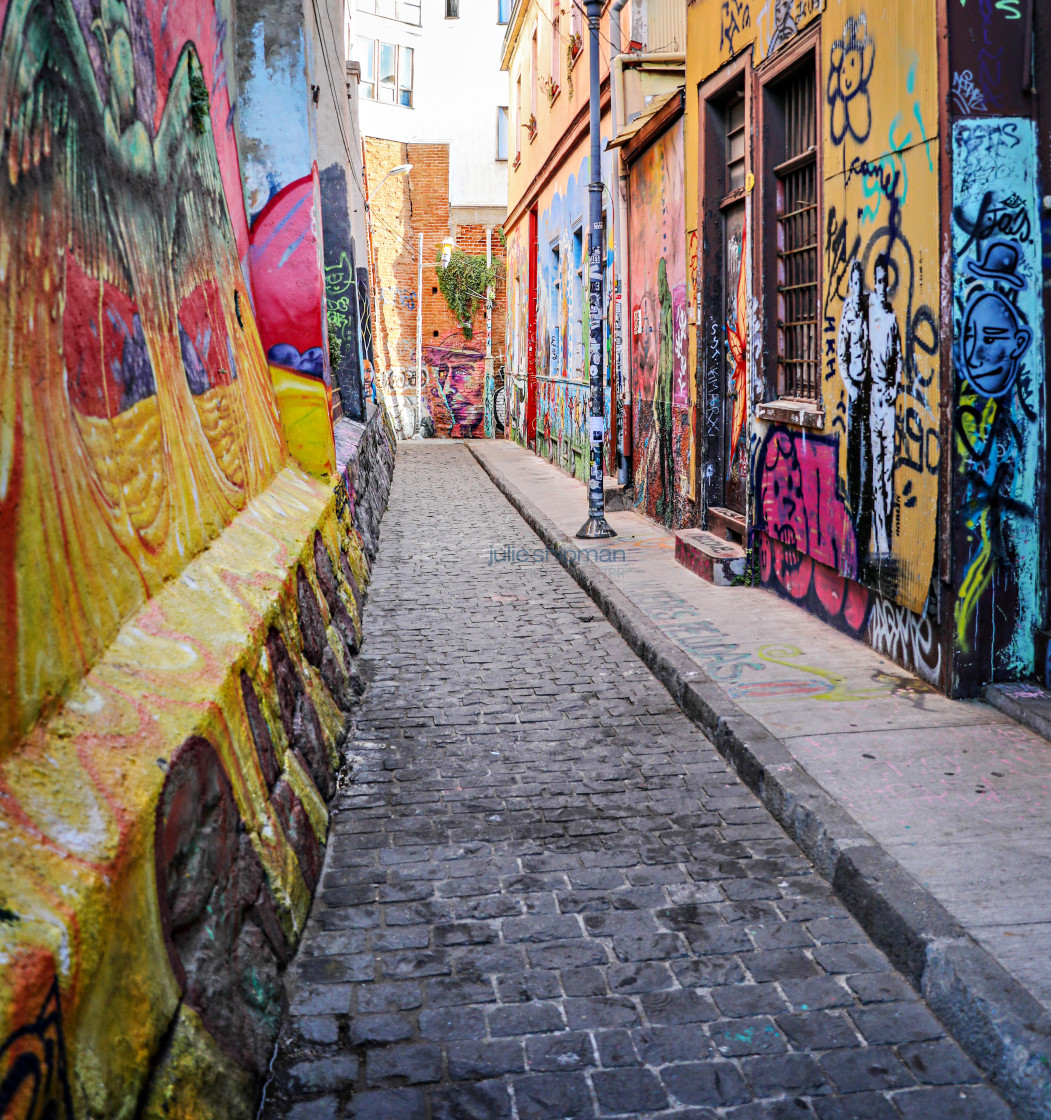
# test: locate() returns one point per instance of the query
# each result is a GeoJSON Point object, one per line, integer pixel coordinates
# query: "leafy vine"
{"type": "Point", "coordinates": [463, 282]}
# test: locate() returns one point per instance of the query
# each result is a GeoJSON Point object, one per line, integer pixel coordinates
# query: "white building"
{"type": "Point", "coordinates": [430, 73]}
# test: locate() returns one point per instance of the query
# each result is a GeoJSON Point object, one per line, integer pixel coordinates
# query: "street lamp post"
{"type": "Point", "coordinates": [596, 525]}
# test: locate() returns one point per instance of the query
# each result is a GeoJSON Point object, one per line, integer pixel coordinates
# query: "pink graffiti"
{"type": "Point", "coordinates": [807, 546]}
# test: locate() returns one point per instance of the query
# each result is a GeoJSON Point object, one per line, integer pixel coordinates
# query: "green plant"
{"type": "Point", "coordinates": [463, 282]}
{"type": "Point", "coordinates": [573, 48]}
{"type": "Point", "coordinates": [199, 102]}
{"type": "Point", "coordinates": [750, 576]}
{"type": "Point", "coordinates": [335, 349]}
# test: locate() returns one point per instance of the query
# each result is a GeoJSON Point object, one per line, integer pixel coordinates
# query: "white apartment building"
{"type": "Point", "coordinates": [430, 73]}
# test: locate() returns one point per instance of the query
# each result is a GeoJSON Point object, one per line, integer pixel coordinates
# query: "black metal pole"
{"type": "Point", "coordinates": [596, 525]}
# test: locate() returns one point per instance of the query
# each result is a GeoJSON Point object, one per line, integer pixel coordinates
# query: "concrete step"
{"type": "Point", "coordinates": [717, 561]}
{"type": "Point", "coordinates": [726, 524]}
{"type": "Point", "coordinates": [1026, 702]}
{"type": "Point", "coordinates": [619, 498]}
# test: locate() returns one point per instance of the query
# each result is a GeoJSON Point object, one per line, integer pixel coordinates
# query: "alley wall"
{"type": "Point", "coordinates": [183, 549]}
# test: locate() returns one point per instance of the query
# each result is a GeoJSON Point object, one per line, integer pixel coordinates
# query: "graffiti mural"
{"type": "Point", "coordinates": [807, 550]}
{"type": "Point", "coordinates": [454, 387]}
{"type": "Point", "coordinates": [150, 419]}
{"type": "Point", "coordinates": [880, 323]}
{"type": "Point", "coordinates": [764, 25]}
{"type": "Point", "coordinates": [35, 1077]}
{"type": "Point", "coordinates": [517, 328]}
{"type": "Point", "coordinates": [999, 404]}
{"type": "Point", "coordinates": [849, 70]}
{"type": "Point", "coordinates": [659, 316]}
{"type": "Point", "coordinates": [341, 305]}
{"type": "Point", "coordinates": [562, 323]}
{"type": "Point", "coordinates": [288, 285]}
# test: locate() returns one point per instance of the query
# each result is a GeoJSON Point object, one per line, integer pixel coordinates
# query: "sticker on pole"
{"type": "Point", "coordinates": [598, 430]}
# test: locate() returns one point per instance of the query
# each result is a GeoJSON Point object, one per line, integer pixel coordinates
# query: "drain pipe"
{"type": "Point", "coordinates": [620, 197]}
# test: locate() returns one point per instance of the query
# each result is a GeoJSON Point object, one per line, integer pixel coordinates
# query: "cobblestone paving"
{"type": "Point", "coordinates": [546, 895]}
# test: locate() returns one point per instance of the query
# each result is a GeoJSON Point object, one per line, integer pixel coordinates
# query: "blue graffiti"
{"type": "Point", "coordinates": [994, 339]}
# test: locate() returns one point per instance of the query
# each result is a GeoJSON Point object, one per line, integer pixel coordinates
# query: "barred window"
{"type": "Point", "coordinates": [796, 180]}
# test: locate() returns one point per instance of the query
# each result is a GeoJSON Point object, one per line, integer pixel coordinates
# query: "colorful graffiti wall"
{"type": "Point", "coordinates": [149, 418]}
{"type": "Point", "coordinates": [278, 140]}
{"type": "Point", "coordinates": [999, 397]}
{"type": "Point", "coordinates": [879, 318]}
{"type": "Point", "coordinates": [562, 328]}
{"type": "Point", "coordinates": [998, 391]}
{"type": "Point", "coordinates": [663, 447]}
{"type": "Point", "coordinates": [517, 329]}
{"type": "Point", "coordinates": [181, 602]}
{"type": "Point", "coordinates": [844, 509]}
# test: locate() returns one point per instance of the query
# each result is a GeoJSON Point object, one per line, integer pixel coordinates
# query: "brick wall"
{"type": "Point", "coordinates": [453, 391]}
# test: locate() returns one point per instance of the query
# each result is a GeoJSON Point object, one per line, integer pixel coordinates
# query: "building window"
{"type": "Point", "coordinates": [405, 76]}
{"type": "Point", "coordinates": [795, 174]}
{"type": "Point", "coordinates": [452, 9]}
{"type": "Point", "coordinates": [534, 76]}
{"type": "Point", "coordinates": [576, 28]}
{"type": "Point", "coordinates": [386, 72]}
{"type": "Point", "coordinates": [503, 11]}
{"type": "Point", "coordinates": [501, 132]}
{"type": "Point", "coordinates": [367, 56]}
{"type": "Point", "coordinates": [735, 139]}
{"type": "Point", "coordinates": [556, 48]}
{"type": "Point", "coordinates": [519, 123]}
{"type": "Point", "coordinates": [405, 11]}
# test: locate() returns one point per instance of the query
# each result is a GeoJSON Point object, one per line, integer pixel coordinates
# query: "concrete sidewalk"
{"type": "Point", "coordinates": [930, 816]}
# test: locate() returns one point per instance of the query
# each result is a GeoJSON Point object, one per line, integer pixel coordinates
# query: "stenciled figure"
{"type": "Point", "coordinates": [663, 395]}
{"type": "Point", "coordinates": [885, 363]}
{"type": "Point", "coordinates": [852, 350]}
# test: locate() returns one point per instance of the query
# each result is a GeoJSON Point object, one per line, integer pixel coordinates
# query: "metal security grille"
{"type": "Point", "coordinates": [797, 220]}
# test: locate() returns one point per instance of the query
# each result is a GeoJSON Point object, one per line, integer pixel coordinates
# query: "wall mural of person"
{"type": "Point", "coordinates": [869, 350]}
{"type": "Point", "coordinates": [663, 395]}
{"type": "Point", "coordinates": [995, 339]}
{"type": "Point", "coordinates": [885, 355]}
{"type": "Point", "coordinates": [852, 349]}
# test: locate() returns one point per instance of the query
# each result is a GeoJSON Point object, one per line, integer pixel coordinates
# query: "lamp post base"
{"type": "Point", "coordinates": [596, 528]}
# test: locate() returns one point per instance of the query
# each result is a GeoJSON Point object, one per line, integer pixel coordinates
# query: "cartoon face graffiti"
{"type": "Point", "coordinates": [994, 338]}
{"type": "Point", "coordinates": [994, 343]}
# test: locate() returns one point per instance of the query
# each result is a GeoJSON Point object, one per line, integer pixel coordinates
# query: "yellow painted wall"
{"type": "Point", "coordinates": [83, 881]}
{"type": "Point", "coordinates": [878, 118]}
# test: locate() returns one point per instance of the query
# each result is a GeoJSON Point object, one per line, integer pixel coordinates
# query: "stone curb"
{"type": "Point", "coordinates": [1004, 1029]}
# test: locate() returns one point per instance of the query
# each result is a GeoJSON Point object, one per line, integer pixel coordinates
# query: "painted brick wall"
{"type": "Point", "coordinates": [453, 391]}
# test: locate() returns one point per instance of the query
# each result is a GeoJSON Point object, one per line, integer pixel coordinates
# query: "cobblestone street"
{"type": "Point", "coordinates": [546, 894]}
